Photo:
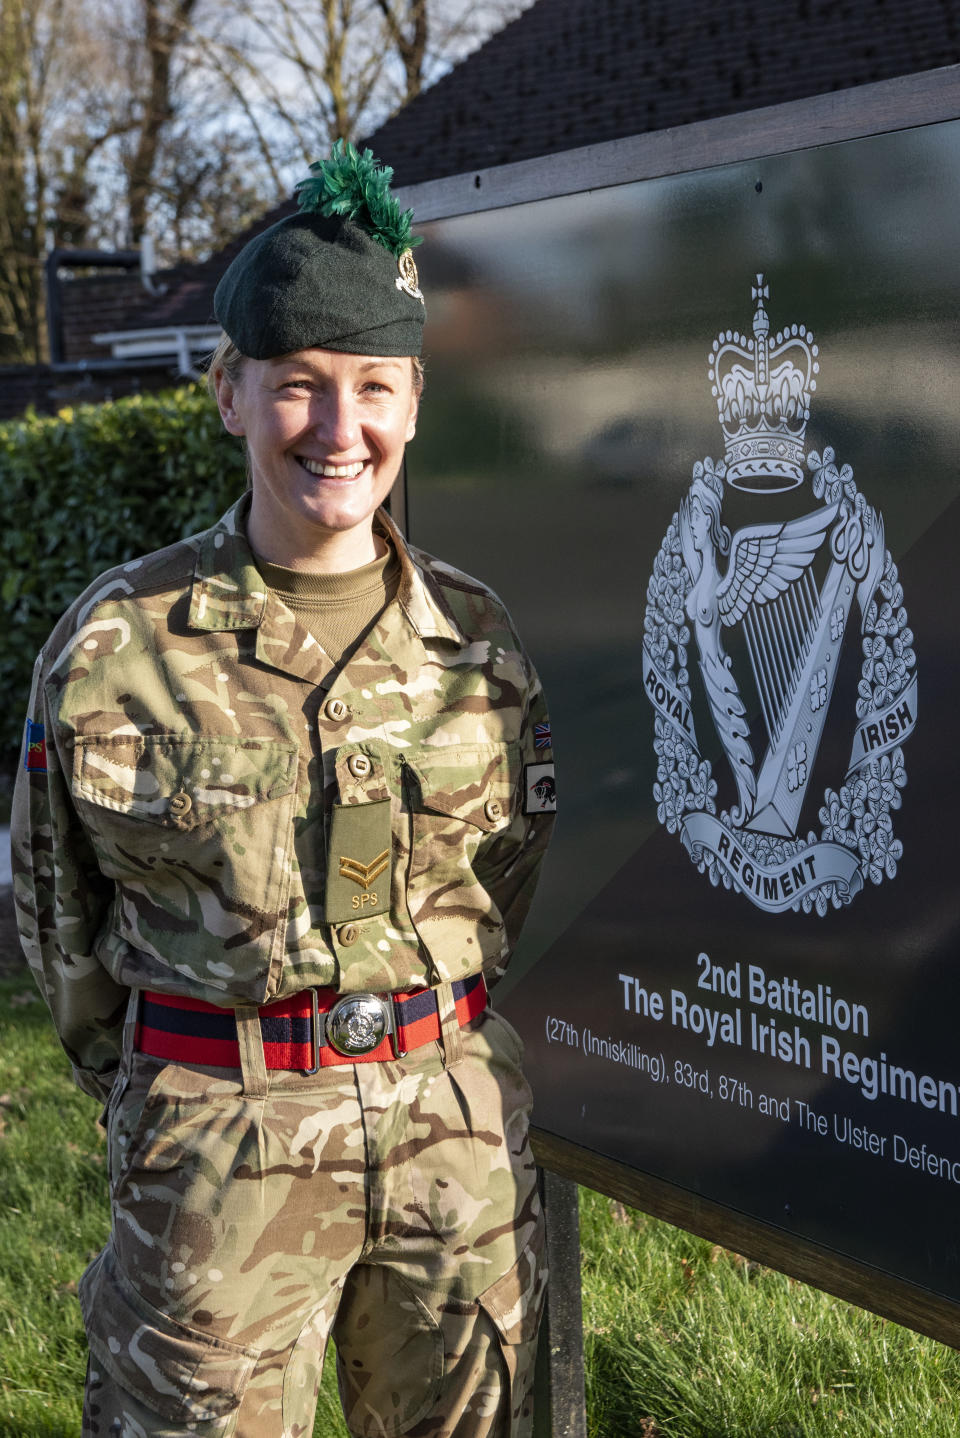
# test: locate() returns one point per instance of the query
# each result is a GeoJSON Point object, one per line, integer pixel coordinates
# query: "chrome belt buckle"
{"type": "Point", "coordinates": [357, 1023]}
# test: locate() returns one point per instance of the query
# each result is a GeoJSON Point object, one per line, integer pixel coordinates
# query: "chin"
{"type": "Point", "coordinates": [337, 517]}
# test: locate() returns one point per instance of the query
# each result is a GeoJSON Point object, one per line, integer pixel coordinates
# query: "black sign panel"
{"type": "Point", "coordinates": [701, 433]}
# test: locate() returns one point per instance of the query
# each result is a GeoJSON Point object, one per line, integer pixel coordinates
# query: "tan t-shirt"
{"type": "Point", "coordinates": [337, 609]}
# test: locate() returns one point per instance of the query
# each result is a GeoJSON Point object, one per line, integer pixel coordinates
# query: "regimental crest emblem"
{"type": "Point", "coordinates": [792, 594]}
{"type": "Point", "coordinates": [408, 280]}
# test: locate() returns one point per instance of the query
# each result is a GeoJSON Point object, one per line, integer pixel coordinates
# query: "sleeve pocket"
{"type": "Point", "coordinates": [176, 1372]}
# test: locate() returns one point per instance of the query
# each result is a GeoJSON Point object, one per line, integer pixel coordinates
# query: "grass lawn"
{"type": "Point", "coordinates": [682, 1339]}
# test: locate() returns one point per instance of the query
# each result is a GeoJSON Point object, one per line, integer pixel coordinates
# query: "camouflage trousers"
{"type": "Point", "coordinates": [392, 1206]}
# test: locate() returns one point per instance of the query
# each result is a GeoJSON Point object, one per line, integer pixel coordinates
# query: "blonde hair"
{"type": "Point", "coordinates": [228, 360]}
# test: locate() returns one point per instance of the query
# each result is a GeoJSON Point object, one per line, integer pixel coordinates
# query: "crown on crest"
{"type": "Point", "coordinates": [762, 387]}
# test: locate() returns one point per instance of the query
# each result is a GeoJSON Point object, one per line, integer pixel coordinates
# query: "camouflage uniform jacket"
{"type": "Point", "coordinates": [204, 757]}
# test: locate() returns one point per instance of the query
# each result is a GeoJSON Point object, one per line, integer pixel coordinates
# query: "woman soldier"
{"type": "Point", "coordinates": [283, 839]}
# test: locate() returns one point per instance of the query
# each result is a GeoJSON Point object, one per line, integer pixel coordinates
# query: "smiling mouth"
{"type": "Point", "coordinates": [333, 471]}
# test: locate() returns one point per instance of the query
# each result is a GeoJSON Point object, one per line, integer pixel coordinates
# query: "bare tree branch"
{"type": "Point", "coordinates": [410, 42]}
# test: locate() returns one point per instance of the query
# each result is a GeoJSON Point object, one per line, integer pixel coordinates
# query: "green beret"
{"type": "Point", "coordinates": [338, 275]}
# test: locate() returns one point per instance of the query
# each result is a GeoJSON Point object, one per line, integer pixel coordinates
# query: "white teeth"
{"type": "Point", "coordinates": [333, 471]}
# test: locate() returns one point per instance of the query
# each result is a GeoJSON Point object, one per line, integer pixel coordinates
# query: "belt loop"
{"type": "Point", "coordinates": [253, 1065]}
{"type": "Point", "coordinates": [450, 1034]}
{"type": "Point", "coordinates": [315, 1041]}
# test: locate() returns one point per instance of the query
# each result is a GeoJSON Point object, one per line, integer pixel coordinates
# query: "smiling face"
{"type": "Point", "coordinates": [325, 435]}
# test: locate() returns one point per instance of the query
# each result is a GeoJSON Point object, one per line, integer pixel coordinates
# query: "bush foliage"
{"type": "Point", "coordinates": [90, 488]}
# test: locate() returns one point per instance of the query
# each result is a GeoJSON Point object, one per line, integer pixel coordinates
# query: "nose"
{"type": "Point", "coordinates": [336, 419]}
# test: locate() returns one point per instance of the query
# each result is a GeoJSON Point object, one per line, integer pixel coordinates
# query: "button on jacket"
{"type": "Point", "coordinates": [227, 815]}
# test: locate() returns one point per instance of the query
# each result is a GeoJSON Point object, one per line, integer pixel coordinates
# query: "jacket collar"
{"type": "Point", "coordinates": [228, 592]}
{"type": "Point", "coordinates": [419, 595]}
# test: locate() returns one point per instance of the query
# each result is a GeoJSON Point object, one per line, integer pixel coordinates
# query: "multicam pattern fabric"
{"type": "Point", "coordinates": [199, 741]}
{"type": "Point", "coordinates": [209, 768]}
{"type": "Point", "coordinates": [393, 1205]}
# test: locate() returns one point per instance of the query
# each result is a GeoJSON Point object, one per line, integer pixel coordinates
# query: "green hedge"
{"type": "Point", "coordinates": [88, 489]}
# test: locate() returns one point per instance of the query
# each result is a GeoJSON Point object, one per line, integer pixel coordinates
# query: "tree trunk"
{"type": "Point", "coordinates": [407, 24]}
{"type": "Point", "coordinates": [163, 31]}
{"type": "Point", "coordinates": [21, 289]}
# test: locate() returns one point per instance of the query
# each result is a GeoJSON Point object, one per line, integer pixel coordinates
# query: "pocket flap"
{"type": "Point", "coordinates": [180, 781]}
{"type": "Point", "coordinates": [177, 1372]}
{"type": "Point", "coordinates": [476, 784]}
{"type": "Point", "coordinates": [515, 1301]}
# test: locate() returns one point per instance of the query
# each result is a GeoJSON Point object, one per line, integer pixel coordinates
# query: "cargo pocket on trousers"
{"type": "Point", "coordinates": [390, 1354]}
{"type": "Point", "coordinates": [515, 1305]}
{"type": "Point", "coordinates": [179, 1374]}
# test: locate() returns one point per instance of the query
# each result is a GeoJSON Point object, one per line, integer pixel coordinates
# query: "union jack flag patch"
{"type": "Point", "coordinates": [35, 751]}
{"type": "Point", "coordinates": [541, 736]}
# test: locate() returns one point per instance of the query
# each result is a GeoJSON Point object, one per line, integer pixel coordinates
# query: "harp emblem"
{"type": "Point", "coordinates": [786, 596]}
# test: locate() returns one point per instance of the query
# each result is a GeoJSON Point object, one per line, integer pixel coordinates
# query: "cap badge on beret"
{"type": "Point", "coordinates": [408, 279]}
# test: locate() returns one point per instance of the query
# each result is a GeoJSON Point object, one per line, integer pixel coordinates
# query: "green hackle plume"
{"type": "Point", "coordinates": [356, 187]}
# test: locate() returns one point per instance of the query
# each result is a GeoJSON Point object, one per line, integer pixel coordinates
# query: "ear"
{"type": "Point", "coordinates": [227, 395]}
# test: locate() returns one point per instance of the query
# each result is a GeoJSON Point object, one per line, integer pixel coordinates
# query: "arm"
{"type": "Point", "coordinates": [508, 866]}
{"type": "Point", "coordinates": [62, 900]}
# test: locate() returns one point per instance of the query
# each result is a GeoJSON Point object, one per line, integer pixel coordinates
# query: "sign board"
{"type": "Point", "coordinates": [701, 433]}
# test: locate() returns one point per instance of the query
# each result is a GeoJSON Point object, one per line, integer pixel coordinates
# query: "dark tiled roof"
{"type": "Point", "coordinates": [576, 72]}
{"type": "Point", "coordinates": [96, 304]}
{"type": "Point", "coordinates": [188, 299]}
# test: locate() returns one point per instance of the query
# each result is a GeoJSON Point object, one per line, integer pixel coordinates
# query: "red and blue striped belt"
{"type": "Point", "coordinates": [310, 1030]}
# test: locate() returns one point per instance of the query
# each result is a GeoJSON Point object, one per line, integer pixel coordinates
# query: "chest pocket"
{"type": "Point", "coordinates": [460, 798]}
{"type": "Point", "coordinates": [195, 832]}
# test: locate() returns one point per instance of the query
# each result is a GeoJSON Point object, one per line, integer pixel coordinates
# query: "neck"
{"type": "Point", "coordinates": [318, 552]}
